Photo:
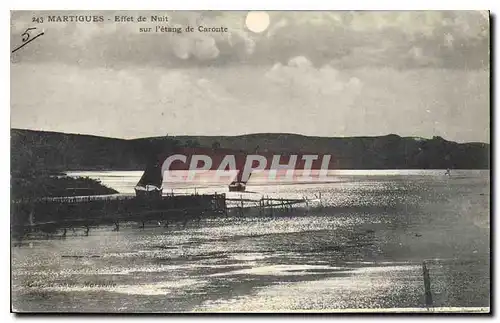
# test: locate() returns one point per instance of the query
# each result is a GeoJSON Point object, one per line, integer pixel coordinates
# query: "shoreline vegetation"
{"type": "Point", "coordinates": [40, 158]}
{"type": "Point", "coordinates": [55, 185]}
{"type": "Point", "coordinates": [61, 152]}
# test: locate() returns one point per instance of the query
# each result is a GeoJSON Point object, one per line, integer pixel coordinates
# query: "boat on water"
{"type": "Point", "coordinates": [148, 191]}
{"type": "Point", "coordinates": [237, 187]}
{"type": "Point", "coordinates": [150, 184]}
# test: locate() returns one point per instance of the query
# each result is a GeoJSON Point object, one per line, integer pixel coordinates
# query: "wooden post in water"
{"type": "Point", "coordinates": [427, 285]}
{"type": "Point", "coordinates": [32, 217]}
{"type": "Point", "coordinates": [117, 225]}
{"type": "Point", "coordinates": [241, 209]}
{"type": "Point", "coordinates": [261, 205]}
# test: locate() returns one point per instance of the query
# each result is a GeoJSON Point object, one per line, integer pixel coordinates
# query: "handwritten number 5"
{"type": "Point", "coordinates": [26, 35]}
{"type": "Point", "coordinates": [26, 38]}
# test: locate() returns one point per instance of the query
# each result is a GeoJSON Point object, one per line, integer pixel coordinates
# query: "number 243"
{"type": "Point", "coordinates": [38, 20]}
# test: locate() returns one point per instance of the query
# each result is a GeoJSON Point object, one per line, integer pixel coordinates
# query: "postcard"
{"type": "Point", "coordinates": [250, 161]}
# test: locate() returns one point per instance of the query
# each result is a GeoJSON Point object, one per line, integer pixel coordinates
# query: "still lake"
{"type": "Point", "coordinates": [363, 249]}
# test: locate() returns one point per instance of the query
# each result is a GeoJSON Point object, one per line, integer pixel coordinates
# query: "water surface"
{"type": "Point", "coordinates": [360, 246]}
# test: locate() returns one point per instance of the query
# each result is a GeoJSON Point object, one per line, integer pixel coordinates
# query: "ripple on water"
{"type": "Point", "coordinates": [162, 288]}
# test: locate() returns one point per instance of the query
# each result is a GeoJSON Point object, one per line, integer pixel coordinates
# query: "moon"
{"type": "Point", "coordinates": [257, 21]}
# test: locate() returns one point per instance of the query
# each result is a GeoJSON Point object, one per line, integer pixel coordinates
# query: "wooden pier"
{"type": "Point", "coordinates": [60, 214]}
{"type": "Point", "coordinates": [266, 205]}
{"type": "Point", "coordinates": [50, 215]}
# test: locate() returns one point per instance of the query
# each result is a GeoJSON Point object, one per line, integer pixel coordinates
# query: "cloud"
{"type": "Point", "coordinates": [200, 47]}
{"type": "Point", "coordinates": [205, 48]}
{"type": "Point", "coordinates": [450, 39]}
{"type": "Point", "coordinates": [317, 101]}
{"type": "Point", "coordinates": [299, 78]}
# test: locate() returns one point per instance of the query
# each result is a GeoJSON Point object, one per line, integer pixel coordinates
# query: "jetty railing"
{"type": "Point", "coordinates": [51, 214]}
{"type": "Point", "coordinates": [56, 212]}
{"type": "Point", "coordinates": [266, 205]}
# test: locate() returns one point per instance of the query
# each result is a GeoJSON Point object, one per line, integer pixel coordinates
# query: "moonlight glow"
{"type": "Point", "coordinates": [257, 21]}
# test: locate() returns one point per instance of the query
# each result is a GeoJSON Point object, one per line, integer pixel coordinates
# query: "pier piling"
{"type": "Point", "coordinates": [427, 285]}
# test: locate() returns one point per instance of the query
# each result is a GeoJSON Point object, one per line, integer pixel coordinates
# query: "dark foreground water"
{"type": "Point", "coordinates": [363, 249]}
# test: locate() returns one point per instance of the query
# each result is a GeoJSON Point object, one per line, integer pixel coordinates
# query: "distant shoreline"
{"type": "Point", "coordinates": [53, 152]}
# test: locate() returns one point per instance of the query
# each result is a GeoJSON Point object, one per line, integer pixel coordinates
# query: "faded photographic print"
{"type": "Point", "coordinates": [250, 161]}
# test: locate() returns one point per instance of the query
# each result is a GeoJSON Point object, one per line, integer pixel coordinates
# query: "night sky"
{"type": "Point", "coordinates": [314, 73]}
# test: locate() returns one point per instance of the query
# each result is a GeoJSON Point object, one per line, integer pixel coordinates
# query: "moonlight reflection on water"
{"type": "Point", "coordinates": [363, 249]}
